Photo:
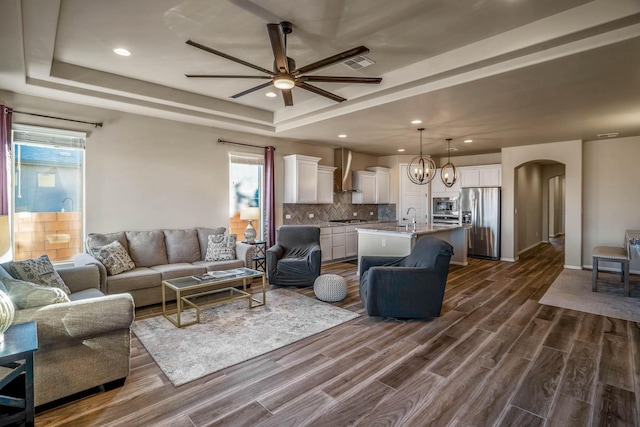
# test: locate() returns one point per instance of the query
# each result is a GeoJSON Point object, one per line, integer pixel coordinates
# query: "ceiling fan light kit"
{"type": "Point", "coordinates": [285, 76]}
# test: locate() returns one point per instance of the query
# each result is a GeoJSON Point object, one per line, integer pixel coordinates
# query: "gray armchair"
{"type": "Point", "coordinates": [295, 259]}
{"type": "Point", "coordinates": [406, 287]}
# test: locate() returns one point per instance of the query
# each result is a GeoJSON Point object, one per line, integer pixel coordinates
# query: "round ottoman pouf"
{"type": "Point", "coordinates": [330, 287]}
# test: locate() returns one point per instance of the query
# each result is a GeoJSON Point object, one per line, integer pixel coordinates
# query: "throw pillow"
{"type": "Point", "coordinates": [39, 271]}
{"type": "Point", "coordinates": [114, 257]}
{"type": "Point", "coordinates": [222, 247]}
{"type": "Point", "coordinates": [26, 294]}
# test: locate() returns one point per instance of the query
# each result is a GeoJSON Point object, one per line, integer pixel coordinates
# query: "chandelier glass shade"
{"type": "Point", "coordinates": [449, 173]}
{"type": "Point", "coordinates": [421, 169]}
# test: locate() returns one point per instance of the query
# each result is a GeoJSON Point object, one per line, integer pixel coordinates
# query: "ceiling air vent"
{"type": "Point", "coordinates": [608, 135]}
{"type": "Point", "coordinates": [358, 62]}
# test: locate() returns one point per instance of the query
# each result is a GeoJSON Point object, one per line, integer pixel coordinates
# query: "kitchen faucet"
{"type": "Point", "coordinates": [414, 217]}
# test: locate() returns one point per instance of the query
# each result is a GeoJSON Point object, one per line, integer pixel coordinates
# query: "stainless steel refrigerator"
{"type": "Point", "coordinates": [480, 209]}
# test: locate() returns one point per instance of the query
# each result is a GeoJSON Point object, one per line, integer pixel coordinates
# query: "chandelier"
{"type": "Point", "coordinates": [421, 169]}
{"type": "Point", "coordinates": [449, 173]}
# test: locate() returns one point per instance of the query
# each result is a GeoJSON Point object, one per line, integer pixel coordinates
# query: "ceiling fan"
{"type": "Point", "coordinates": [285, 75]}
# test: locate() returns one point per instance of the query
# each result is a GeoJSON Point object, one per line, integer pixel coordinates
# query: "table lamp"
{"type": "Point", "coordinates": [250, 214]}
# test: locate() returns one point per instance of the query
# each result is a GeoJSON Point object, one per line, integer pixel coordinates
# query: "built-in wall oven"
{"type": "Point", "coordinates": [445, 210]}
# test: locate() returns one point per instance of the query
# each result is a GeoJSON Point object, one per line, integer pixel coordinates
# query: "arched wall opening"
{"type": "Point", "coordinates": [568, 153]}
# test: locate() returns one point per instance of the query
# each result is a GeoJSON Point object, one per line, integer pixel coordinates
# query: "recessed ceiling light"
{"type": "Point", "coordinates": [468, 141]}
{"type": "Point", "coordinates": [342, 135]}
{"type": "Point", "coordinates": [608, 135]}
{"type": "Point", "coordinates": [401, 149]}
{"type": "Point", "coordinates": [452, 149]}
{"type": "Point", "coordinates": [416, 122]}
{"type": "Point", "coordinates": [121, 51]}
{"type": "Point", "coordinates": [271, 94]}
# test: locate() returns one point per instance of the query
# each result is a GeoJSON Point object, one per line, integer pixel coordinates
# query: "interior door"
{"type": "Point", "coordinates": [412, 196]}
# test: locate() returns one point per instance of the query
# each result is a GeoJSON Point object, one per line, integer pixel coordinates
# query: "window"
{"type": "Point", "coordinates": [245, 190]}
{"type": "Point", "coordinates": [48, 196]}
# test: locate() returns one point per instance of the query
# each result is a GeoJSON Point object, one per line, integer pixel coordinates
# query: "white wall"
{"type": "Point", "coordinates": [612, 194]}
{"type": "Point", "coordinates": [144, 173]}
{"type": "Point", "coordinates": [569, 153]}
{"type": "Point", "coordinates": [529, 206]}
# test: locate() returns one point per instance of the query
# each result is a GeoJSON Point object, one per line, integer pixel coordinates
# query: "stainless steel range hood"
{"type": "Point", "coordinates": [342, 180]}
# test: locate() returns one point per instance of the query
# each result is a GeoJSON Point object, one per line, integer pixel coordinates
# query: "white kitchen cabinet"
{"type": "Point", "coordinates": [300, 179]}
{"type": "Point", "coordinates": [383, 176]}
{"type": "Point", "coordinates": [351, 241]}
{"type": "Point", "coordinates": [481, 176]}
{"type": "Point", "coordinates": [326, 244]}
{"type": "Point", "coordinates": [325, 184]}
{"type": "Point", "coordinates": [364, 182]}
{"type": "Point", "coordinates": [338, 242]}
{"type": "Point", "coordinates": [437, 186]}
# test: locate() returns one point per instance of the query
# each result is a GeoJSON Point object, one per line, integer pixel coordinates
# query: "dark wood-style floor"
{"type": "Point", "coordinates": [495, 357]}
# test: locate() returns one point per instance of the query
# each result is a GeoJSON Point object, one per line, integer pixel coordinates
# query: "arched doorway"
{"type": "Point", "coordinates": [568, 153]}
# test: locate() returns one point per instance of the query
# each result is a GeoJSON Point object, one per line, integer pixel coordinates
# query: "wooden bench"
{"type": "Point", "coordinates": [611, 254]}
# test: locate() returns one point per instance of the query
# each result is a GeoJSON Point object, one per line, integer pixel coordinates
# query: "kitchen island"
{"type": "Point", "coordinates": [394, 240]}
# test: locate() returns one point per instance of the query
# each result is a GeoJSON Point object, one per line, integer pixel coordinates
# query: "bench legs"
{"type": "Point", "coordinates": [624, 265]}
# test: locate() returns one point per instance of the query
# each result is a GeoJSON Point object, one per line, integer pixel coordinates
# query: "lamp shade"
{"type": "Point", "coordinates": [250, 213]}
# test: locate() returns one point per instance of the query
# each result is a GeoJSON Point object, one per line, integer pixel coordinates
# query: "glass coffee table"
{"type": "Point", "coordinates": [216, 290]}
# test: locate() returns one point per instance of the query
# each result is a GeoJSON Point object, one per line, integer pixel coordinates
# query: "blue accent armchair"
{"type": "Point", "coordinates": [406, 287]}
{"type": "Point", "coordinates": [295, 259]}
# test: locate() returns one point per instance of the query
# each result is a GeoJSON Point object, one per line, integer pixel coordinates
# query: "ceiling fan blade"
{"type": "Point", "coordinates": [287, 96]}
{"type": "Point", "coordinates": [332, 79]}
{"type": "Point", "coordinates": [360, 50]}
{"type": "Point", "coordinates": [276, 36]}
{"type": "Point", "coordinates": [253, 89]}
{"type": "Point", "coordinates": [318, 91]}
{"type": "Point", "coordinates": [229, 57]}
{"type": "Point", "coordinates": [226, 76]}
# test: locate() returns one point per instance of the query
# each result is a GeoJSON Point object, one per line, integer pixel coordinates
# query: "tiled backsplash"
{"type": "Point", "coordinates": [342, 208]}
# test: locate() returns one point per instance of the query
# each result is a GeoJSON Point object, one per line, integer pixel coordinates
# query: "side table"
{"type": "Point", "coordinates": [16, 387]}
{"type": "Point", "coordinates": [259, 261]}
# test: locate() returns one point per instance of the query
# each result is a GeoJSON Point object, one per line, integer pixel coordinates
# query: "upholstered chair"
{"type": "Point", "coordinates": [406, 287]}
{"type": "Point", "coordinates": [295, 259]}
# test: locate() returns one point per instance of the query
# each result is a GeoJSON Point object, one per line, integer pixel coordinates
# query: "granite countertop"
{"type": "Point", "coordinates": [420, 228]}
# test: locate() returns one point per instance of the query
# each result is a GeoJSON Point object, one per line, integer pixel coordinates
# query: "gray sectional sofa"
{"type": "Point", "coordinates": [83, 343]}
{"type": "Point", "coordinates": [160, 255]}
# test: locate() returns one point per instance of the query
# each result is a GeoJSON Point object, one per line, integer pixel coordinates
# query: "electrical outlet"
{"type": "Point", "coordinates": [371, 213]}
{"type": "Point", "coordinates": [355, 214]}
{"type": "Point", "coordinates": [311, 215]}
{"type": "Point", "coordinates": [287, 216]}
{"type": "Point", "coordinates": [384, 242]}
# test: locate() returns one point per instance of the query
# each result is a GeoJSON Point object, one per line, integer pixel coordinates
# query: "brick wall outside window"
{"type": "Point", "coordinates": [57, 234]}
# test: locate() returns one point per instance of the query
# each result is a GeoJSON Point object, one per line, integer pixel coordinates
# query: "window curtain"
{"type": "Point", "coordinates": [5, 155]}
{"type": "Point", "coordinates": [269, 193]}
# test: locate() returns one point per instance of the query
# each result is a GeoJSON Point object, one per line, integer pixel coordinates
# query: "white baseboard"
{"type": "Point", "coordinates": [529, 247]}
{"type": "Point", "coordinates": [572, 267]}
{"type": "Point", "coordinates": [509, 259]}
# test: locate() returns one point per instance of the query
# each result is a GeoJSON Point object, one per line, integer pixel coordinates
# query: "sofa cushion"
{"type": "Point", "coordinates": [220, 265]}
{"type": "Point", "coordinates": [147, 248]}
{"type": "Point", "coordinates": [97, 239]}
{"type": "Point", "coordinates": [222, 247]}
{"type": "Point", "coordinates": [203, 238]}
{"type": "Point", "coordinates": [138, 278]}
{"type": "Point", "coordinates": [39, 271]}
{"type": "Point", "coordinates": [182, 245]}
{"type": "Point", "coordinates": [114, 257]}
{"type": "Point", "coordinates": [85, 294]}
{"type": "Point", "coordinates": [27, 294]}
{"type": "Point", "coordinates": [173, 271]}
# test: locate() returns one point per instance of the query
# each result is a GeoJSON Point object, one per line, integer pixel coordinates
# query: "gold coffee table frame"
{"type": "Point", "coordinates": [182, 285]}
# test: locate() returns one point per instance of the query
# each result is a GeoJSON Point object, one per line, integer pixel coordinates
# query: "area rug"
{"type": "Point", "coordinates": [572, 289]}
{"type": "Point", "coordinates": [232, 333]}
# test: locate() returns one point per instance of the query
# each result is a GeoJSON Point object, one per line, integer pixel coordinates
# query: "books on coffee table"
{"type": "Point", "coordinates": [217, 274]}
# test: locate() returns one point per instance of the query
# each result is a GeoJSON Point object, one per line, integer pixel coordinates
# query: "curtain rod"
{"type": "Point", "coordinates": [95, 124]}
{"type": "Point", "coordinates": [222, 141]}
